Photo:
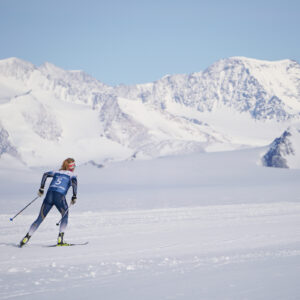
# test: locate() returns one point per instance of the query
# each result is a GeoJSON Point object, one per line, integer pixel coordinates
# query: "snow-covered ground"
{"type": "Point", "coordinates": [203, 226]}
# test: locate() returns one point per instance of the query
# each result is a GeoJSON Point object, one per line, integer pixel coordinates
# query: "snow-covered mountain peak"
{"type": "Point", "coordinates": [15, 61]}
{"type": "Point", "coordinates": [71, 77]}
{"type": "Point", "coordinates": [16, 68]}
{"type": "Point", "coordinates": [284, 151]}
{"type": "Point", "coordinates": [255, 66]}
{"type": "Point", "coordinates": [265, 90]}
{"type": "Point", "coordinates": [51, 69]}
{"type": "Point", "coordinates": [255, 61]}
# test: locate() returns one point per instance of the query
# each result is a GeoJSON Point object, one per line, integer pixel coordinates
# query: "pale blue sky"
{"type": "Point", "coordinates": [138, 41]}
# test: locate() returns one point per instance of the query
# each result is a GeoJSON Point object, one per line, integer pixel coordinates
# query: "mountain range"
{"type": "Point", "coordinates": [47, 113]}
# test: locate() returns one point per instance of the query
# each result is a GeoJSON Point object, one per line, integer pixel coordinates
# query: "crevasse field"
{"type": "Point", "coordinates": [203, 226]}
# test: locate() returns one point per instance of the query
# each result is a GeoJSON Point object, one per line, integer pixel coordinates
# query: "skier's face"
{"type": "Point", "coordinates": [72, 166]}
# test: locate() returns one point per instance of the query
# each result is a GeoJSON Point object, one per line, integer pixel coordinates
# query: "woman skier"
{"type": "Point", "coordinates": [59, 186]}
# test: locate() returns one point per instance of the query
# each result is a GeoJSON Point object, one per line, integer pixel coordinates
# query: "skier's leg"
{"type": "Point", "coordinates": [64, 221]}
{"type": "Point", "coordinates": [45, 208]}
{"type": "Point", "coordinates": [62, 206]}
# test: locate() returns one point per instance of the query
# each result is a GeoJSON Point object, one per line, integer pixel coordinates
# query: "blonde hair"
{"type": "Point", "coordinates": [66, 162]}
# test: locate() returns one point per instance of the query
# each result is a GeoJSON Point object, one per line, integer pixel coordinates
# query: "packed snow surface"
{"type": "Point", "coordinates": [203, 226]}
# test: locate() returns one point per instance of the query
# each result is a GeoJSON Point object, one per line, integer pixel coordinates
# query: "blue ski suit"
{"type": "Point", "coordinates": [56, 195]}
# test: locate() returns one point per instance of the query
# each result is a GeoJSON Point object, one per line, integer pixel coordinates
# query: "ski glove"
{"type": "Point", "coordinates": [73, 201]}
{"type": "Point", "coordinates": [40, 192]}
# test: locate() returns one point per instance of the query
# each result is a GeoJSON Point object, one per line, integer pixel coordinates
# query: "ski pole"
{"type": "Point", "coordinates": [11, 219]}
{"type": "Point", "coordinates": [63, 215]}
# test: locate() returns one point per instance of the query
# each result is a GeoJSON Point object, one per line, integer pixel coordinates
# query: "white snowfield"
{"type": "Point", "coordinates": [203, 226]}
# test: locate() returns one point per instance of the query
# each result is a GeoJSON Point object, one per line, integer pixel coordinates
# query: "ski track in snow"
{"type": "Point", "coordinates": [193, 251]}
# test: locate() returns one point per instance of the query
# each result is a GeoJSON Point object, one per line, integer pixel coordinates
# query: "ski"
{"type": "Point", "coordinates": [68, 244]}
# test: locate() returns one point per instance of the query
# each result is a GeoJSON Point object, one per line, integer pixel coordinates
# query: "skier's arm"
{"type": "Point", "coordinates": [74, 187]}
{"type": "Point", "coordinates": [44, 178]}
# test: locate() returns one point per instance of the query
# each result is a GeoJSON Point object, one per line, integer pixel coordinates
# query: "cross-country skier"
{"type": "Point", "coordinates": [59, 186]}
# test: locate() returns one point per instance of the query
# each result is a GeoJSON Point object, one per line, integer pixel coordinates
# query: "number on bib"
{"type": "Point", "coordinates": [58, 181]}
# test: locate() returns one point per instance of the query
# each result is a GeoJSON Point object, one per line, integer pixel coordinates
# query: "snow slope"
{"type": "Point", "coordinates": [203, 226]}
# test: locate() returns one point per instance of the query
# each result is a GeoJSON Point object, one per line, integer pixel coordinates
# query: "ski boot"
{"type": "Point", "coordinates": [60, 240]}
{"type": "Point", "coordinates": [25, 240]}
